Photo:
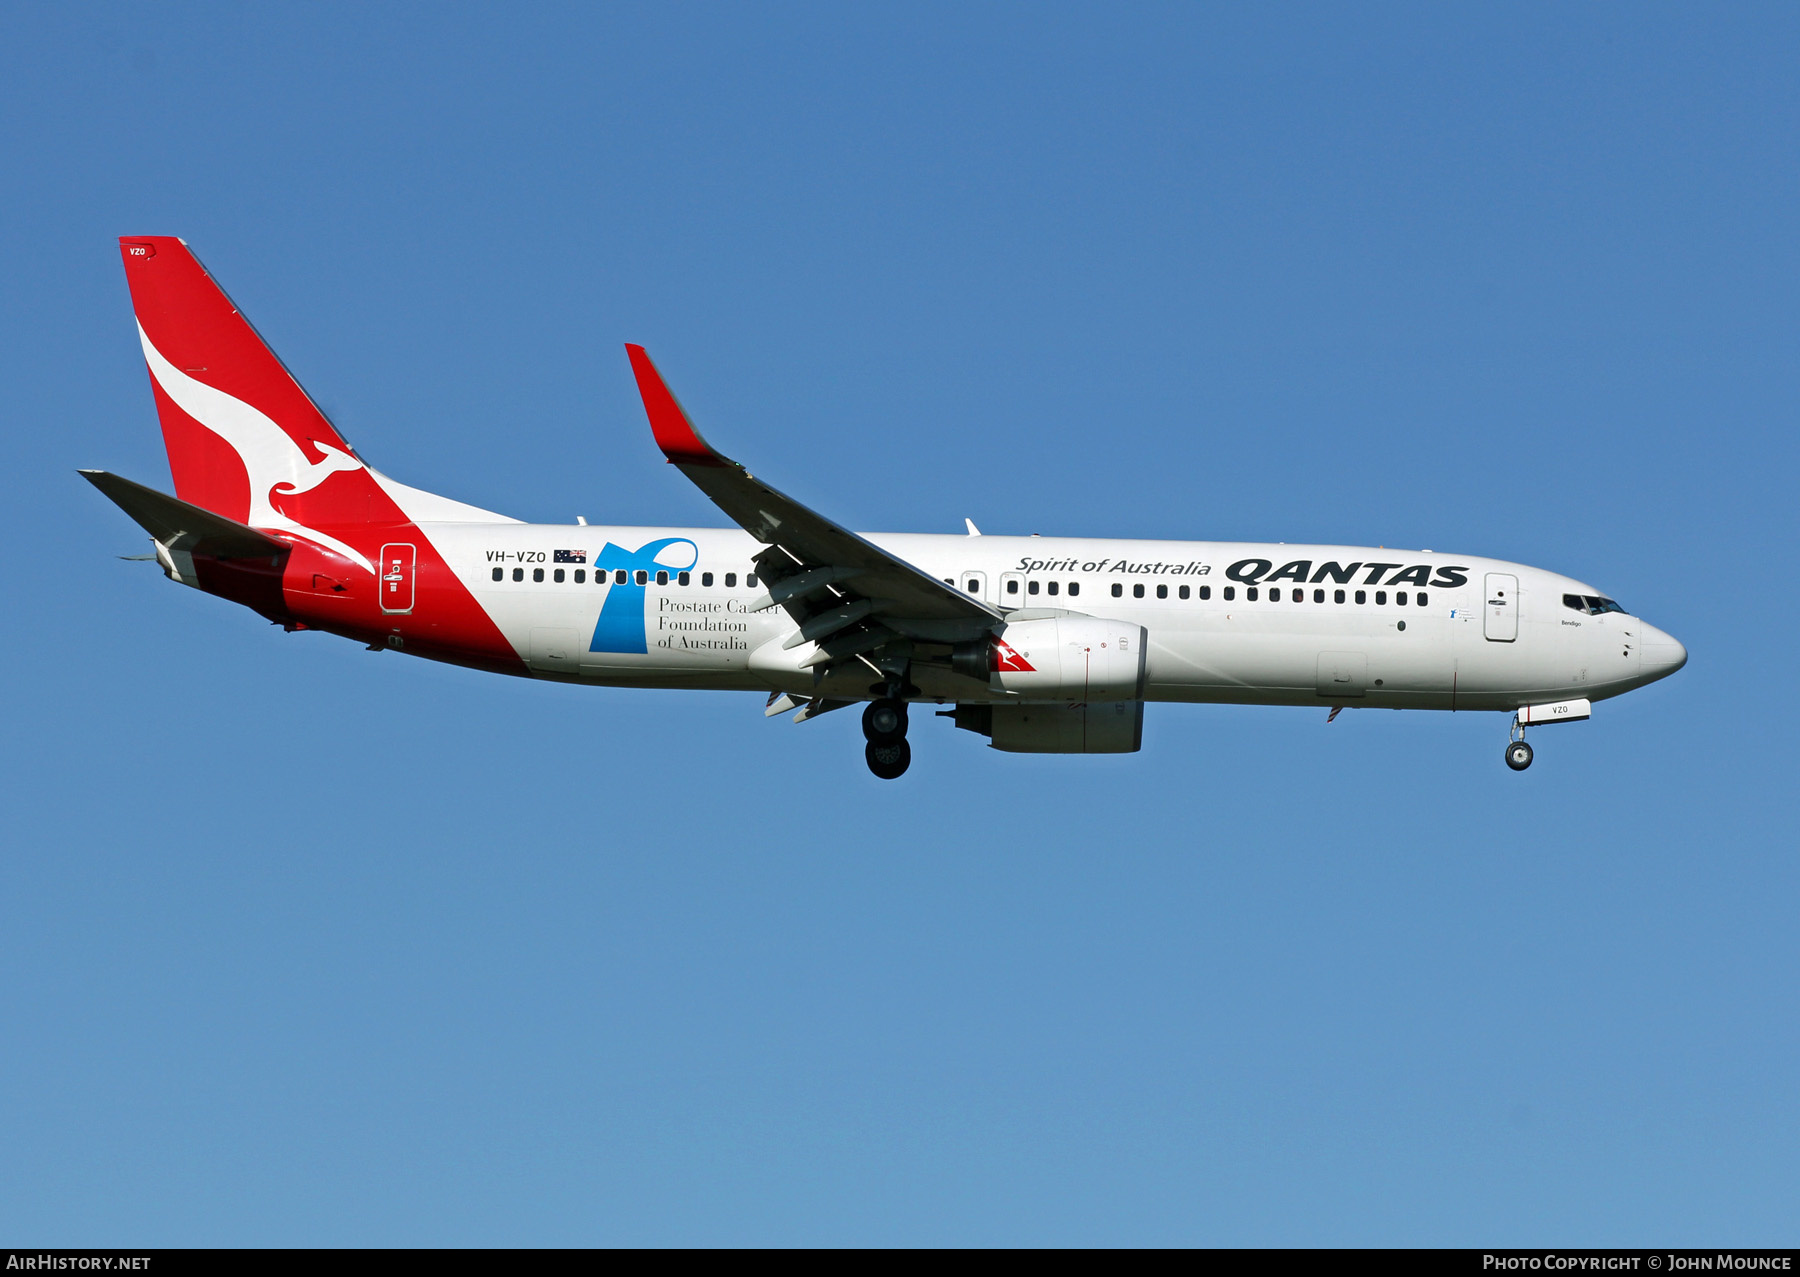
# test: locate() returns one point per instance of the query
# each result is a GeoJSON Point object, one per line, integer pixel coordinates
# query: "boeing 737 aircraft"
{"type": "Point", "coordinates": [1040, 644]}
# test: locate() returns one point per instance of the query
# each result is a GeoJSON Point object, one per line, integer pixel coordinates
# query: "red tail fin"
{"type": "Point", "coordinates": [244, 440]}
{"type": "Point", "coordinates": [243, 437]}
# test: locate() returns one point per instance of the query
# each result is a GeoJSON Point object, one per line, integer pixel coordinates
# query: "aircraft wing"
{"type": "Point", "coordinates": [844, 589]}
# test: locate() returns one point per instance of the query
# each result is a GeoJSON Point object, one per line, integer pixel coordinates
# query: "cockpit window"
{"type": "Point", "coordinates": [1592, 604]}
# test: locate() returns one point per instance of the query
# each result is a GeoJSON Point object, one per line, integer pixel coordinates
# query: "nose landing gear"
{"type": "Point", "coordinates": [1518, 753]}
{"type": "Point", "coordinates": [884, 724]}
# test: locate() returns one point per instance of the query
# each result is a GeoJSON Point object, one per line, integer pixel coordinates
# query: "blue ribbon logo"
{"type": "Point", "coordinates": [621, 627]}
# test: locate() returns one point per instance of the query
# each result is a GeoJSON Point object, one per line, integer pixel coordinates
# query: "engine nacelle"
{"type": "Point", "coordinates": [1106, 727]}
{"type": "Point", "coordinates": [1061, 658]}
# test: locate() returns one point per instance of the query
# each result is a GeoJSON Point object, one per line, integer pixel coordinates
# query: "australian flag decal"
{"type": "Point", "coordinates": [568, 556]}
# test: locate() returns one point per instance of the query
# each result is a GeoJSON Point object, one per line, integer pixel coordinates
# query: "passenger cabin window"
{"type": "Point", "coordinates": [1251, 593]}
{"type": "Point", "coordinates": [662, 578]}
{"type": "Point", "coordinates": [1421, 599]}
{"type": "Point", "coordinates": [731, 580]}
{"type": "Point", "coordinates": [1182, 591]}
{"type": "Point", "coordinates": [1206, 591]}
{"type": "Point", "coordinates": [1118, 590]}
{"type": "Point", "coordinates": [643, 577]}
{"type": "Point", "coordinates": [1299, 596]}
{"type": "Point", "coordinates": [1362, 596]}
{"type": "Point", "coordinates": [1137, 591]}
{"type": "Point", "coordinates": [499, 573]}
{"type": "Point", "coordinates": [1012, 587]}
{"type": "Point", "coordinates": [1074, 588]}
{"type": "Point", "coordinates": [1337, 596]}
{"type": "Point", "coordinates": [1400, 598]}
{"type": "Point", "coordinates": [1053, 587]}
{"type": "Point", "coordinates": [750, 579]}
{"type": "Point", "coordinates": [682, 578]}
{"type": "Point", "coordinates": [557, 576]}
{"type": "Point", "coordinates": [1230, 593]}
{"type": "Point", "coordinates": [706, 580]}
{"type": "Point", "coordinates": [1380, 597]}
{"type": "Point", "coordinates": [1318, 596]}
{"type": "Point", "coordinates": [537, 574]}
{"type": "Point", "coordinates": [619, 577]}
{"type": "Point", "coordinates": [580, 576]}
{"type": "Point", "coordinates": [1162, 591]}
{"type": "Point", "coordinates": [1031, 587]}
{"type": "Point", "coordinates": [518, 574]}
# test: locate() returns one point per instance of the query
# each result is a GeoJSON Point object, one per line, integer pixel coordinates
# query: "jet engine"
{"type": "Point", "coordinates": [1062, 658]}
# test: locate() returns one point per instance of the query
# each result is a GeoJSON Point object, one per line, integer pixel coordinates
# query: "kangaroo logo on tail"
{"type": "Point", "coordinates": [277, 466]}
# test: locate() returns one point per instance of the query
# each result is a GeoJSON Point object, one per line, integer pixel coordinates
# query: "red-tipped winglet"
{"type": "Point", "coordinates": [675, 434]}
{"type": "Point", "coordinates": [807, 537]}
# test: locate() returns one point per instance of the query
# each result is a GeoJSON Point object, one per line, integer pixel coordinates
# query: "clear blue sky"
{"type": "Point", "coordinates": [304, 944]}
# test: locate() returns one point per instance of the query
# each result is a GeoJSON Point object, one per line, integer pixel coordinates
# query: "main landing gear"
{"type": "Point", "coordinates": [1518, 753]}
{"type": "Point", "coordinates": [884, 724]}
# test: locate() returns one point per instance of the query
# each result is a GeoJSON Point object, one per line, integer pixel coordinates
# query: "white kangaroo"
{"type": "Point", "coordinates": [274, 462]}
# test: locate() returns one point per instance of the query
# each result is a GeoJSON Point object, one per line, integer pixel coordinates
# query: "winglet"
{"type": "Point", "coordinates": [675, 434]}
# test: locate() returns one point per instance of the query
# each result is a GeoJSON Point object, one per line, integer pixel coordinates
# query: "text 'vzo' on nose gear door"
{"type": "Point", "coordinates": [397, 562]}
{"type": "Point", "coordinates": [1501, 610]}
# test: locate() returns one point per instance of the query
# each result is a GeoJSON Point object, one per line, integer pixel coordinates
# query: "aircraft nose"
{"type": "Point", "coordinates": [1663, 654]}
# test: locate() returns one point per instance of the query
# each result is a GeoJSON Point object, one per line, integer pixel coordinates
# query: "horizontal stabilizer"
{"type": "Point", "coordinates": [178, 524]}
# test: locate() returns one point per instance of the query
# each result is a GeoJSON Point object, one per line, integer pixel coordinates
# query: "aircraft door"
{"type": "Point", "coordinates": [973, 584]}
{"type": "Point", "coordinates": [397, 565]}
{"type": "Point", "coordinates": [1012, 589]}
{"type": "Point", "coordinates": [1501, 607]}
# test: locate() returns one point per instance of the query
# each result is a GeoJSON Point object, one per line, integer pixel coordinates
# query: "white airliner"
{"type": "Point", "coordinates": [1040, 644]}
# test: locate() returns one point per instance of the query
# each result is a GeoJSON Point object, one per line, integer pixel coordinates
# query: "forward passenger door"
{"type": "Point", "coordinates": [1501, 608]}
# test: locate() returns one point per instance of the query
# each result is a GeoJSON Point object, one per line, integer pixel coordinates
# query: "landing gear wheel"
{"type": "Point", "coordinates": [884, 722]}
{"type": "Point", "coordinates": [1518, 755]}
{"type": "Point", "coordinates": [888, 761]}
